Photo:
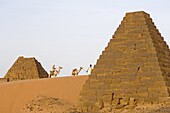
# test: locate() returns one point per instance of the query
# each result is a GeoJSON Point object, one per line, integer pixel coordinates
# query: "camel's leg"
{"type": "Point", "coordinates": [55, 74]}
{"type": "Point", "coordinates": [73, 74]}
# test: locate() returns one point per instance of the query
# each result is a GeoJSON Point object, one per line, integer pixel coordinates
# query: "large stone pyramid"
{"type": "Point", "coordinates": [26, 68]}
{"type": "Point", "coordinates": [133, 69]}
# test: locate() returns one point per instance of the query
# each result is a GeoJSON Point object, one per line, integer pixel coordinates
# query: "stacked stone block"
{"type": "Point", "coordinates": [3, 80]}
{"type": "Point", "coordinates": [133, 69]}
{"type": "Point", "coordinates": [26, 68]}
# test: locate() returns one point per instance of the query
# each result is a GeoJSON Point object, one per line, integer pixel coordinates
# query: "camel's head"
{"type": "Point", "coordinates": [81, 67]}
{"type": "Point", "coordinates": [53, 66]}
{"type": "Point", "coordinates": [60, 67]}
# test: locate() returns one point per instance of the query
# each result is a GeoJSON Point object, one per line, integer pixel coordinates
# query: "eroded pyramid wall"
{"type": "Point", "coordinates": [133, 69]}
{"type": "Point", "coordinates": [26, 68]}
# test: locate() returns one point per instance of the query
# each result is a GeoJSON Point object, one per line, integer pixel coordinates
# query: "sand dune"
{"type": "Point", "coordinates": [14, 95]}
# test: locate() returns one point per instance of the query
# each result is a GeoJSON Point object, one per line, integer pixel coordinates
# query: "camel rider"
{"type": "Point", "coordinates": [89, 70]}
{"type": "Point", "coordinates": [53, 68]}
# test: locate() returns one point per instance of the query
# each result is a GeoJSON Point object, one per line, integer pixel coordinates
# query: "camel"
{"type": "Point", "coordinates": [55, 72]}
{"type": "Point", "coordinates": [75, 71]}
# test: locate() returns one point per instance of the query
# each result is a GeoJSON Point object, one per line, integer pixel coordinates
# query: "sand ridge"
{"type": "Point", "coordinates": [14, 95]}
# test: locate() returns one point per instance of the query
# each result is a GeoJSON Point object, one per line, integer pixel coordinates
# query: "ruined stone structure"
{"type": "Point", "coordinates": [133, 69]}
{"type": "Point", "coordinates": [3, 80]}
{"type": "Point", "coordinates": [26, 68]}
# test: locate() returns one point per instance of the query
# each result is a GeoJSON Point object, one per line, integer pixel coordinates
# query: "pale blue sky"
{"type": "Point", "coordinates": [69, 33]}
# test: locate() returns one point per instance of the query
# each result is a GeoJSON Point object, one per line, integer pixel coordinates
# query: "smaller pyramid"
{"type": "Point", "coordinates": [26, 68]}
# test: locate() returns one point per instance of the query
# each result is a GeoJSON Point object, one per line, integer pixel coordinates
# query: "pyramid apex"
{"type": "Point", "coordinates": [22, 57]}
{"type": "Point", "coordinates": [137, 13]}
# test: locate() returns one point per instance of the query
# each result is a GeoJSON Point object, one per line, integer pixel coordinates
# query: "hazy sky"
{"type": "Point", "coordinates": [68, 33]}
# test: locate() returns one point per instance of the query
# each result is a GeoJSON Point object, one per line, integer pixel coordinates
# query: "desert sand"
{"type": "Point", "coordinates": [14, 96]}
{"type": "Point", "coordinates": [55, 95]}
